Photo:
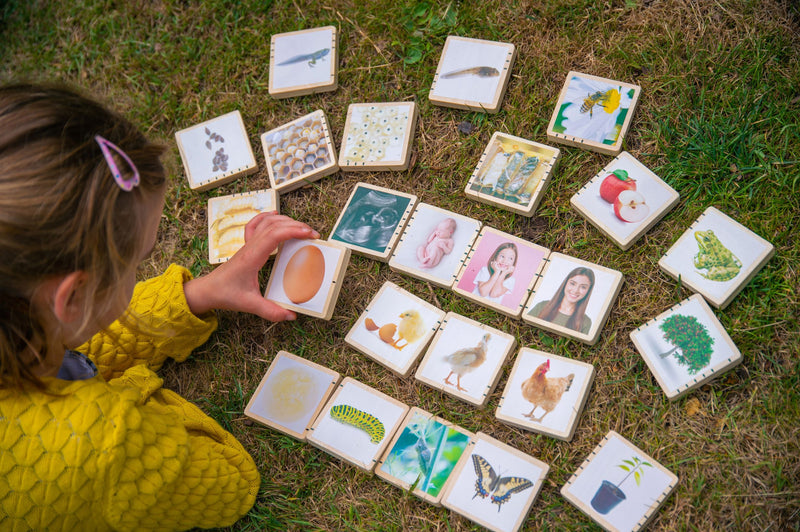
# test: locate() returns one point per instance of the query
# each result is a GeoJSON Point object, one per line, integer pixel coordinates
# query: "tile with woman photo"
{"type": "Point", "coordinates": [573, 298]}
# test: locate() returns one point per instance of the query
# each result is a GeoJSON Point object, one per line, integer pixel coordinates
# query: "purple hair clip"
{"type": "Point", "coordinates": [106, 146]}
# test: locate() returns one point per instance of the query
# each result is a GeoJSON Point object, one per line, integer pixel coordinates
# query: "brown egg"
{"type": "Point", "coordinates": [386, 333]}
{"type": "Point", "coordinates": [304, 274]}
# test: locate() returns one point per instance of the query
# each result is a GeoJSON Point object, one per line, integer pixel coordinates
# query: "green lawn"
{"type": "Point", "coordinates": [717, 120]}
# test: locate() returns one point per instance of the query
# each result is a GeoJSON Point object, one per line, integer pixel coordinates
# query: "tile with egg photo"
{"type": "Point", "coordinates": [307, 276]}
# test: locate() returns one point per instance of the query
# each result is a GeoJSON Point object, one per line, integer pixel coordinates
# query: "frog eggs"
{"type": "Point", "coordinates": [373, 132]}
{"type": "Point", "coordinates": [297, 149]}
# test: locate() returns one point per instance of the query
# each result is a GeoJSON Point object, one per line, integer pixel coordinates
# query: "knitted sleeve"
{"type": "Point", "coordinates": [180, 469]}
{"type": "Point", "coordinates": [158, 324]}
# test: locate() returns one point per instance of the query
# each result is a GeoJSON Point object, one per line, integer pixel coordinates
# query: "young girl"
{"type": "Point", "coordinates": [568, 306]}
{"type": "Point", "coordinates": [495, 279]}
{"type": "Point", "coordinates": [88, 438]}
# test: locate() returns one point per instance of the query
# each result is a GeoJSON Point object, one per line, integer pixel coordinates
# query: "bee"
{"type": "Point", "coordinates": [598, 98]}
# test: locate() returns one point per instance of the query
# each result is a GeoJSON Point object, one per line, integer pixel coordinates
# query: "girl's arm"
{"type": "Point", "coordinates": [170, 315]}
{"type": "Point", "coordinates": [234, 284]}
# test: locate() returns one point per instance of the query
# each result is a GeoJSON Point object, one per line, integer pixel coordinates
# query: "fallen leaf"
{"type": "Point", "coordinates": [692, 407]}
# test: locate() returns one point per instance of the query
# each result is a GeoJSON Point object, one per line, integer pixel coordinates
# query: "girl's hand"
{"type": "Point", "coordinates": [233, 285]}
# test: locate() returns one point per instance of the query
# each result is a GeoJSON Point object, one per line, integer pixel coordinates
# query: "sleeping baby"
{"type": "Point", "coordinates": [440, 243]}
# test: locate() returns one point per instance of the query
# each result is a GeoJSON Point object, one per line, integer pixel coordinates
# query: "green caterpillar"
{"type": "Point", "coordinates": [361, 420]}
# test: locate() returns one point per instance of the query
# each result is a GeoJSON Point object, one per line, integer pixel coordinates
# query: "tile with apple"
{"type": "Point", "coordinates": [624, 200]}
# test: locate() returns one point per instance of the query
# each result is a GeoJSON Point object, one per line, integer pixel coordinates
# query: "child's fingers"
{"type": "Point", "coordinates": [270, 311]}
{"type": "Point", "coordinates": [266, 236]}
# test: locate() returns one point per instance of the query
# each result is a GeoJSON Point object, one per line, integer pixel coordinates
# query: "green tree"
{"type": "Point", "coordinates": [693, 344]}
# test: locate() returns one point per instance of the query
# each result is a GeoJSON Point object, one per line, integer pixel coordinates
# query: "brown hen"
{"type": "Point", "coordinates": [545, 392]}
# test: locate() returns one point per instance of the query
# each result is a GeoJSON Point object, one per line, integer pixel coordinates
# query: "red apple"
{"type": "Point", "coordinates": [630, 206]}
{"type": "Point", "coordinates": [615, 183]}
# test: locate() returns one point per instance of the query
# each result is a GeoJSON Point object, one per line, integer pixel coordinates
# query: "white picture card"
{"type": "Point", "coordinates": [228, 216]}
{"type": "Point", "coordinates": [291, 394]}
{"type": "Point", "coordinates": [624, 200]}
{"type": "Point", "coordinates": [434, 245]}
{"type": "Point", "coordinates": [716, 257]}
{"type": "Point", "coordinates": [303, 62]}
{"type": "Point", "coordinates": [307, 276]}
{"type": "Point", "coordinates": [619, 486]}
{"type": "Point", "coordinates": [472, 74]}
{"type": "Point", "coordinates": [545, 393]}
{"type": "Point", "coordinates": [216, 151]}
{"type": "Point", "coordinates": [395, 328]}
{"type": "Point", "coordinates": [573, 297]}
{"type": "Point", "coordinates": [495, 485]}
{"type": "Point", "coordinates": [465, 359]}
{"type": "Point", "coordinates": [357, 423]}
{"type": "Point", "coordinates": [686, 347]}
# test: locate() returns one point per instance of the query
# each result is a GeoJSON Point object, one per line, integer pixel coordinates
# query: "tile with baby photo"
{"type": "Point", "coordinates": [500, 271]}
{"type": "Point", "coordinates": [465, 359]}
{"type": "Point", "coordinates": [573, 297]}
{"type": "Point", "coordinates": [395, 328]}
{"type": "Point", "coordinates": [434, 245]}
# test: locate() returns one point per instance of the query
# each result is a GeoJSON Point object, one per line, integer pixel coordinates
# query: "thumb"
{"type": "Point", "coordinates": [267, 309]}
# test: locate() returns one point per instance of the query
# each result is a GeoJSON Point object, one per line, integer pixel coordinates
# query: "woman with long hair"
{"type": "Point", "coordinates": [568, 306]}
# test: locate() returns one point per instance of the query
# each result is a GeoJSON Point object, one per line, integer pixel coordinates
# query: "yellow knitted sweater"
{"type": "Point", "coordinates": [116, 451]}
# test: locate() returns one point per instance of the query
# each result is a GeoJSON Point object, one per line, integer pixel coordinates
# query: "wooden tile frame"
{"type": "Point", "coordinates": [269, 195]}
{"type": "Point", "coordinates": [336, 285]}
{"type": "Point", "coordinates": [405, 486]}
{"type": "Point", "coordinates": [331, 84]}
{"type": "Point", "coordinates": [600, 147]}
{"type": "Point", "coordinates": [492, 106]}
{"type": "Point", "coordinates": [492, 148]}
{"type": "Point", "coordinates": [708, 373]}
{"type": "Point", "coordinates": [593, 335]}
{"type": "Point", "coordinates": [404, 369]}
{"type": "Point", "coordinates": [309, 176]}
{"type": "Point", "coordinates": [696, 285]}
{"type": "Point", "coordinates": [466, 463]}
{"type": "Point", "coordinates": [399, 164]}
{"type": "Point", "coordinates": [513, 382]}
{"type": "Point", "coordinates": [508, 311]}
{"type": "Point", "coordinates": [596, 516]}
{"type": "Point", "coordinates": [248, 411]}
{"type": "Point", "coordinates": [494, 373]}
{"type": "Point", "coordinates": [200, 183]}
{"type": "Point", "coordinates": [645, 225]}
{"type": "Point", "coordinates": [401, 224]}
{"type": "Point", "coordinates": [419, 273]}
{"type": "Point", "coordinates": [382, 445]}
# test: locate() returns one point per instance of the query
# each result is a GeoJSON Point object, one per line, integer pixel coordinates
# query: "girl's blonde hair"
{"type": "Point", "coordinates": [61, 210]}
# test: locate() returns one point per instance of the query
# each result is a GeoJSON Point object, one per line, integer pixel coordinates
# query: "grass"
{"type": "Point", "coordinates": [717, 120]}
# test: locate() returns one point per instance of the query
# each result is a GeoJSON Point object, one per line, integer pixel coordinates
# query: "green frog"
{"type": "Point", "coordinates": [721, 264]}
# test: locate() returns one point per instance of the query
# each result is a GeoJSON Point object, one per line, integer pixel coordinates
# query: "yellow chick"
{"type": "Point", "coordinates": [411, 328]}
